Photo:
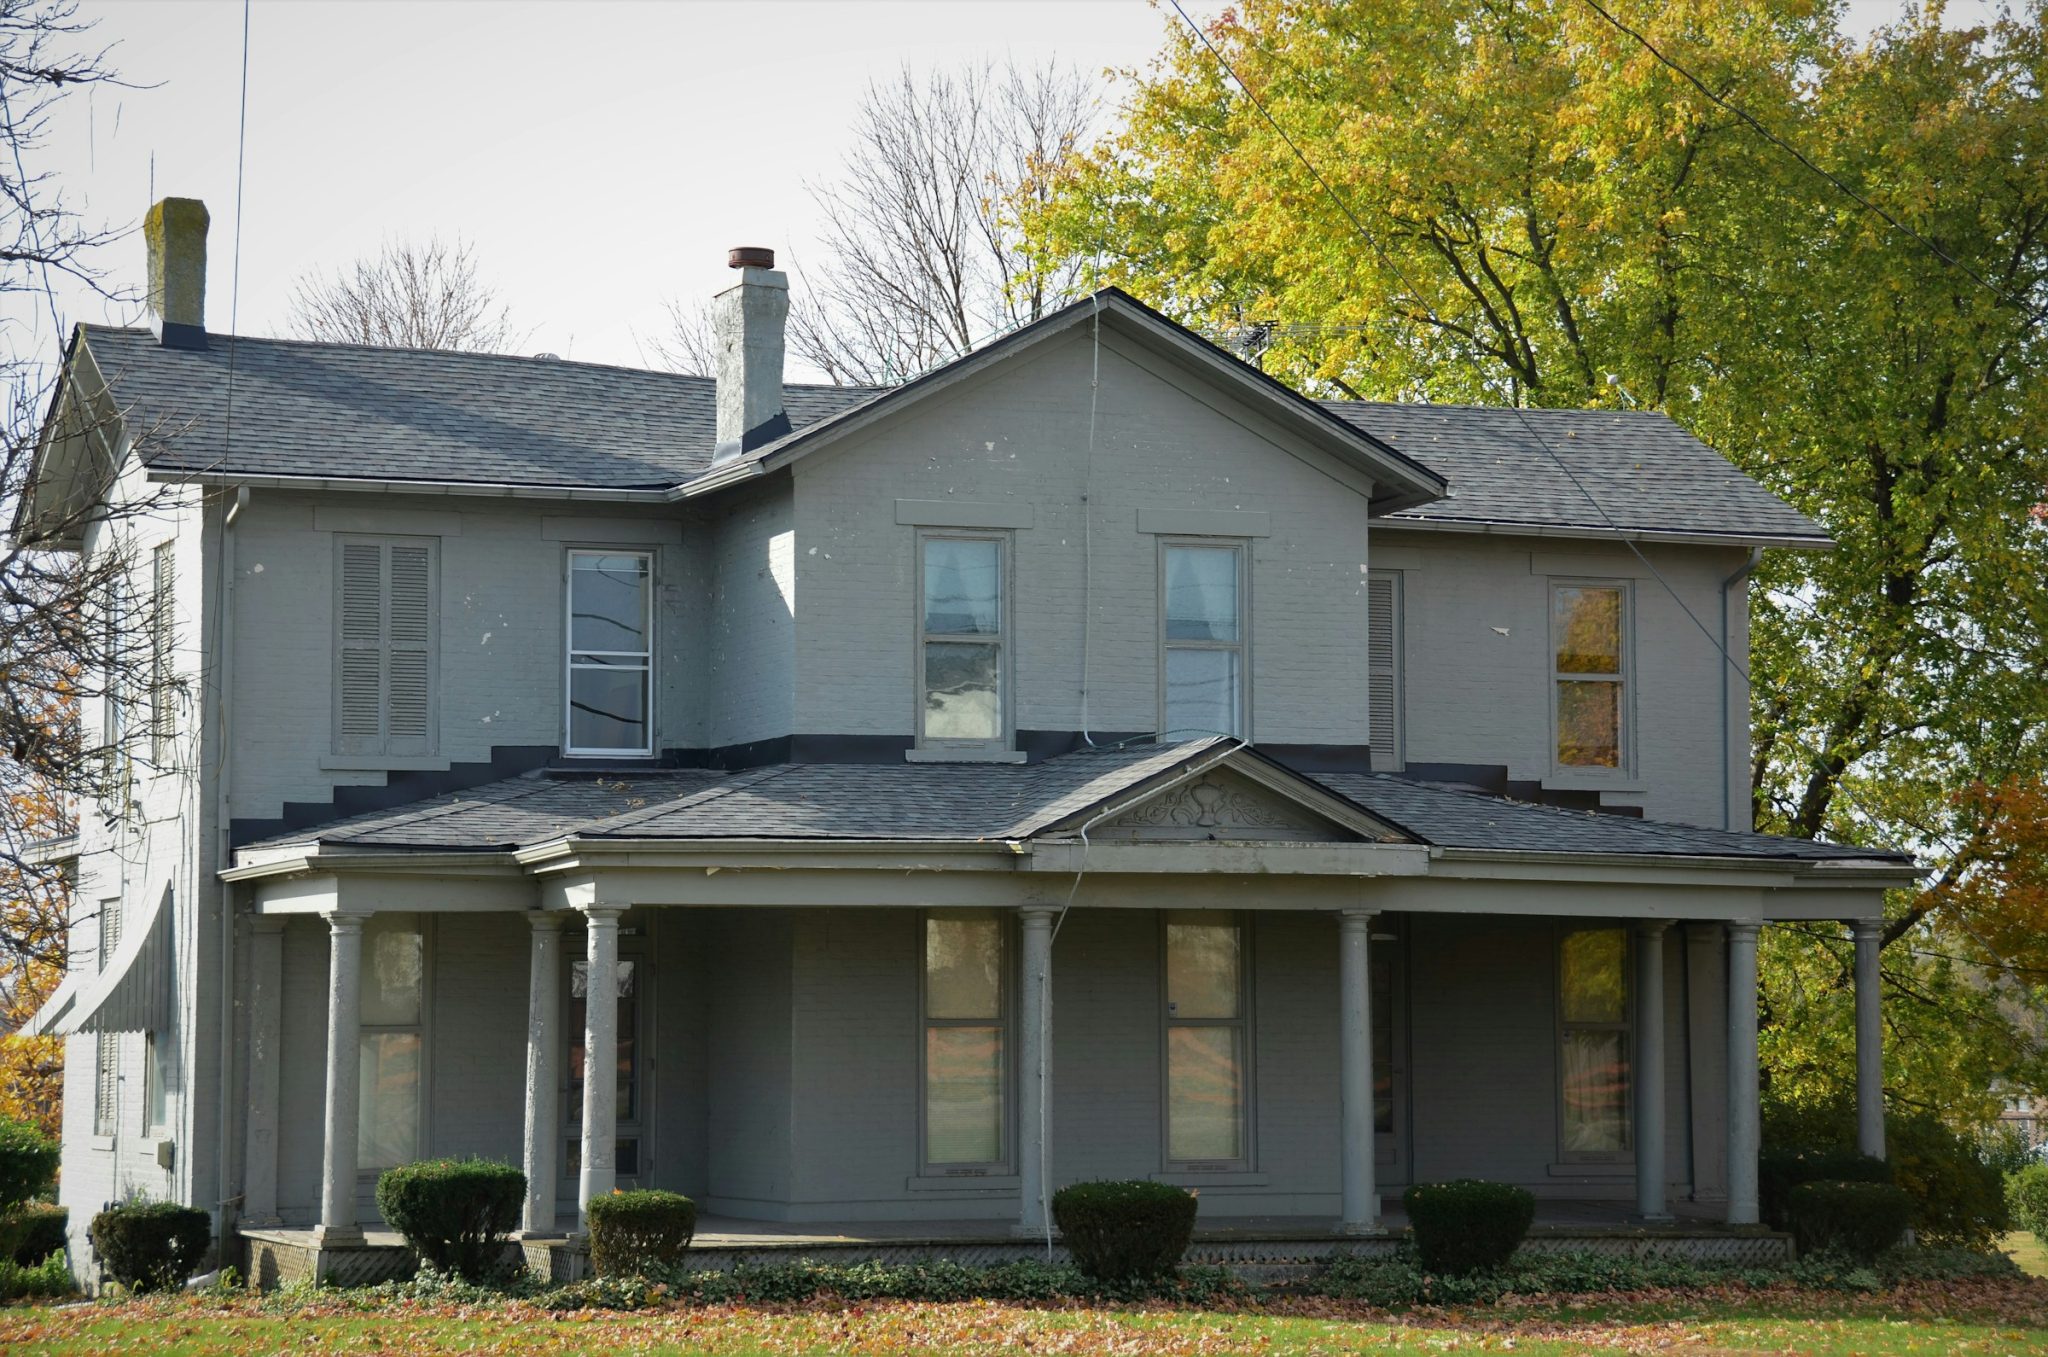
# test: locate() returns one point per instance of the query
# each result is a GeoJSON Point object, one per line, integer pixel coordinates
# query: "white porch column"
{"type": "Point", "coordinates": [1361, 1198]}
{"type": "Point", "coordinates": [1034, 1062]}
{"type": "Point", "coordinates": [543, 1071]}
{"type": "Point", "coordinates": [344, 1086]}
{"type": "Point", "coordinates": [1869, 1039]}
{"type": "Point", "coordinates": [1743, 1129]}
{"type": "Point", "coordinates": [600, 1059]}
{"type": "Point", "coordinates": [1649, 1069]}
{"type": "Point", "coordinates": [266, 1027]}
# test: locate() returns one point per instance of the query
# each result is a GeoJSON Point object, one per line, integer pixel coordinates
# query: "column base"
{"type": "Point", "coordinates": [1360, 1227]}
{"type": "Point", "coordinates": [337, 1236]}
{"type": "Point", "coordinates": [1655, 1217]}
{"type": "Point", "coordinates": [1032, 1232]}
{"type": "Point", "coordinates": [551, 1233]}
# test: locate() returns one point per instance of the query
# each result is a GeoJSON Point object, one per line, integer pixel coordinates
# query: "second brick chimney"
{"type": "Point", "coordinates": [747, 327]}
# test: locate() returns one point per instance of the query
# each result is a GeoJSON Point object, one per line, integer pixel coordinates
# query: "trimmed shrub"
{"type": "Point", "coordinates": [46, 1280]}
{"type": "Point", "coordinates": [1861, 1220]}
{"type": "Point", "coordinates": [1958, 1191]}
{"type": "Point", "coordinates": [635, 1233]}
{"type": "Point", "coordinates": [2026, 1199]}
{"type": "Point", "coordinates": [1467, 1225]}
{"type": "Point", "coordinates": [1120, 1230]}
{"type": "Point", "coordinates": [151, 1246]}
{"type": "Point", "coordinates": [34, 1231]}
{"type": "Point", "coordinates": [28, 1164]}
{"type": "Point", "coordinates": [455, 1213]}
{"type": "Point", "coordinates": [1780, 1168]}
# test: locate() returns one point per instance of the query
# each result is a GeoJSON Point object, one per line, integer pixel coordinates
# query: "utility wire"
{"type": "Point", "coordinates": [2032, 313]}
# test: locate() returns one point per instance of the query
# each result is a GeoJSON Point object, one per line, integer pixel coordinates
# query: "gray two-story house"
{"type": "Point", "coordinates": [1091, 758]}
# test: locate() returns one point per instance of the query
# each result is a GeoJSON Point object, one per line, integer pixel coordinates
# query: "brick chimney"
{"type": "Point", "coordinates": [175, 234]}
{"type": "Point", "coordinates": [747, 326]}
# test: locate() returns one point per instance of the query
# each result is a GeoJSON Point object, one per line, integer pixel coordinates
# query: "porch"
{"type": "Point", "coordinates": [1262, 1248]}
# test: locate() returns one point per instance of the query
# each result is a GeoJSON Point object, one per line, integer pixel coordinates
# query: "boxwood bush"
{"type": "Point", "coordinates": [28, 1164]}
{"type": "Point", "coordinates": [1861, 1220]}
{"type": "Point", "coordinates": [2026, 1199]}
{"type": "Point", "coordinates": [34, 1231]}
{"type": "Point", "coordinates": [1120, 1230]}
{"type": "Point", "coordinates": [1468, 1225]}
{"type": "Point", "coordinates": [635, 1233]}
{"type": "Point", "coordinates": [151, 1246]}
{"type": "Point", "coordinates": [455, 1213]}
{"type": "Point", "coordinates": [1780, 1168]}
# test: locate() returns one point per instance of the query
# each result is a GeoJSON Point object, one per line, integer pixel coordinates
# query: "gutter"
{"type": "Point", "coordinates": [1756, 556]}
{"type": "Point", "coordinates": [478, 489]}
{"type": "Point", "coordinates": [1597, 532]}
{"type": "Point", "coordinates": [223, 708]}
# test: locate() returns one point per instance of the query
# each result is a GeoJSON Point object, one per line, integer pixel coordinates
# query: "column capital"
{"type": "Point", "coordinates": [1038, 916]}
{"type": "Point", "coordinates": [1743, 932]}
{"type": "Point", "coordinates": [545, 921]}
{"type": "Point", "coordinates": [344, 923]}
{"type": "Point", "coordinates": [1355, 917]}
{"type": "Point", "coordinates": [1653, 928]}
{"type": "Point", "coordinates": [601, 914]}
{"type": "Point", "coordinates": [1867, 929]}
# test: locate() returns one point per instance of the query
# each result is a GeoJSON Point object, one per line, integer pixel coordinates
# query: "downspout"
{"type": "Point", "coordinates": [224, 644]}
{"type": "Point", "coordinates": [1756, 556]}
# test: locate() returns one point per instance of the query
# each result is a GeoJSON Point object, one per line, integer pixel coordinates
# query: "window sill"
{"type": "Point", "coordinates": [100, 1142]}
{"type": "Point", "coordinates": [1595, 1168]}
{"type": "Point", "coordinates": [962, 1182]}
{"type": "Point", "coordinates": [963, 756]}
{"type": "Point", "coordinates": [1212, 1178]}
{"type": "Point", "coordinates": [383, 763]}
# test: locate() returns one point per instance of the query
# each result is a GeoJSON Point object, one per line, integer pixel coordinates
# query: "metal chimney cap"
{"type": "Point", "coordinates": [750, 257]}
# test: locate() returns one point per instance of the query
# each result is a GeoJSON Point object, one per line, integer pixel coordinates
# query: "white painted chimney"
{"type": "Point", "coordinates": [747, 326]}
{"type": "Point", "coordinates": [174, 236]}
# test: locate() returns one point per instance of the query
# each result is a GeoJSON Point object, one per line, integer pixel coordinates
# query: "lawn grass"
{"type": "Point", "coordinates": [2005, 1316]}
{"type": "Point", "coordinates": [2027, 1252]}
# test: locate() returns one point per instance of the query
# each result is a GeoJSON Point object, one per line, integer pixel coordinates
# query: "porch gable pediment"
{"type": "Point", "coordinates": [1238, 797]}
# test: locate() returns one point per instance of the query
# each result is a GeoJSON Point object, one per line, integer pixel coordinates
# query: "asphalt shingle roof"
{"type": "Point", "coordinates": [357, 412]}
{"type": "Point", "coordinates": [1645, 472]}
{"type": "Point", "coordinates": [973, 803]}
{"type": "Point", "coordinates": [354, 412]}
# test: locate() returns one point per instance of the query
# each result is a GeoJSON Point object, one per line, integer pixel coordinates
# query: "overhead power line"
{"type": "Point", "coordinates": [1933, 248]}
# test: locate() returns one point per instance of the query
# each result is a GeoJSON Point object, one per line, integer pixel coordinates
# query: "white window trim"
{"type": "Point", "coordinates": [1622, 776]}
{"type": "Point", "coordinates": [970, 1173]}
{"type": "Point", "coordinates": [999, 749]}
{"type": "Point", "coordinates": [569, 653]}
{"type": "Point", "coordinates": [1183, 1170]}
{"type": "Point", "coordinates": [1243, 645]}
{"type": "Point", "coordinates": [1627, 1028]}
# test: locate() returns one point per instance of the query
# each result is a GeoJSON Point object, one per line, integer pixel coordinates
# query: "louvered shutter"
{"type": "Point", "coordinates": [163, 716]}
{"type": "Point", "coordinates": [384, 647]}
{"type": "Point", "coordinates": [1383, 668]}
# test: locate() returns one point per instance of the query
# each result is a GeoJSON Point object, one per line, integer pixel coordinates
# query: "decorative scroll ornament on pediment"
{"type": "Point", "coordinates": [1224, 806]}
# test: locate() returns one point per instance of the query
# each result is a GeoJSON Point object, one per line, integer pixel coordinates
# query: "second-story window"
{"type": "Point", "coordinates": [611, 652]}
{"type": "Point", "coordinates": [961, 635]}
{"type": "Point", "coordinates": [1202, 629]}
{"type": "Point", "coordinates": [387, 611]}
{"type": "Point", "coordinates": [1589, 675]}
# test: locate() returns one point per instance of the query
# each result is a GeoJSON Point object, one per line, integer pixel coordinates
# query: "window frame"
{"type": "Point", "coordinates": [422, 1029]}
{"type": "Point", "coordinates": [1397, 584]}
{"type": "Point", "coordinates": [1005, 738]}
{"type": "Point", "coordinates": [1247, 1118]}
{"type": "Point", "coordinates": [1166, 544]}
{"type": "Point", "coordinates": [1626, 1027]}
{"type": "Point", "coordinates": [156, 1089]}
{"type": "Point", "coordinates": [1562, 773]}
{"type": "Point", "coordinates": [570, 749]}
{"type": "Point", "coordinates": [1004, 1023]}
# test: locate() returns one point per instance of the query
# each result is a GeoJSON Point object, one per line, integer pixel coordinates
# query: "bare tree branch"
{"type": "Point", "coordinates": [410, 295]}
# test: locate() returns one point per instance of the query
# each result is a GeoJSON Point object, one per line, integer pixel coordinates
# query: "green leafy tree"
{"type": "Point", "coordinates": [1524, 201]}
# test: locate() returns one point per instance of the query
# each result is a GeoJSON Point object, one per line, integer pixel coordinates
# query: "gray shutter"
{"type": "Point", "coordinates": [383, 647]}
{"type": "Point", "coordinates": [1383, 668]}
{"type": "Point", "coordinates": [162, 710]}
{"type": "Point", "coordinates": [409, 695]}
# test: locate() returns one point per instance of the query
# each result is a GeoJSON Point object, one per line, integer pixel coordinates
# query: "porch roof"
{"type": "Point", "coordinates": [993, 803]}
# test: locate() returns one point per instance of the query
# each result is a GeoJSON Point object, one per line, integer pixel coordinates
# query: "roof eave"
{"type": "Point", "coordinates": [1604, 533]}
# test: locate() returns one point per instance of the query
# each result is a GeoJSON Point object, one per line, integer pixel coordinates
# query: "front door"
{"type": "Point", "coordinates": [631, 1143]}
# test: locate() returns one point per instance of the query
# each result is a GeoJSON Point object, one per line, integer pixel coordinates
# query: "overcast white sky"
{"type": "Point", "coordinates": [600, 157]}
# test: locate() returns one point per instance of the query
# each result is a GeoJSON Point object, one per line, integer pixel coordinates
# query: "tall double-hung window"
{"type": "Point", "coordinates": [1595, 1034]}
{"type": "Point", "coordinates": [391, 1043]}
{"type": "Point", "coordinates": [106, 1089]}
{"type": "Point", "coordinates": [1589, 645]}
{"type": "Point", "coordinates": [1202, 639]}
{"type": "Point", "coordinates": [1206, 1039]}
{"type": "Point", "coordinates": [962, 642]}
{"type": "Point", "coordinates": [965, 1040]}
{"type": "Point", "coordinates": [611, 653]}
